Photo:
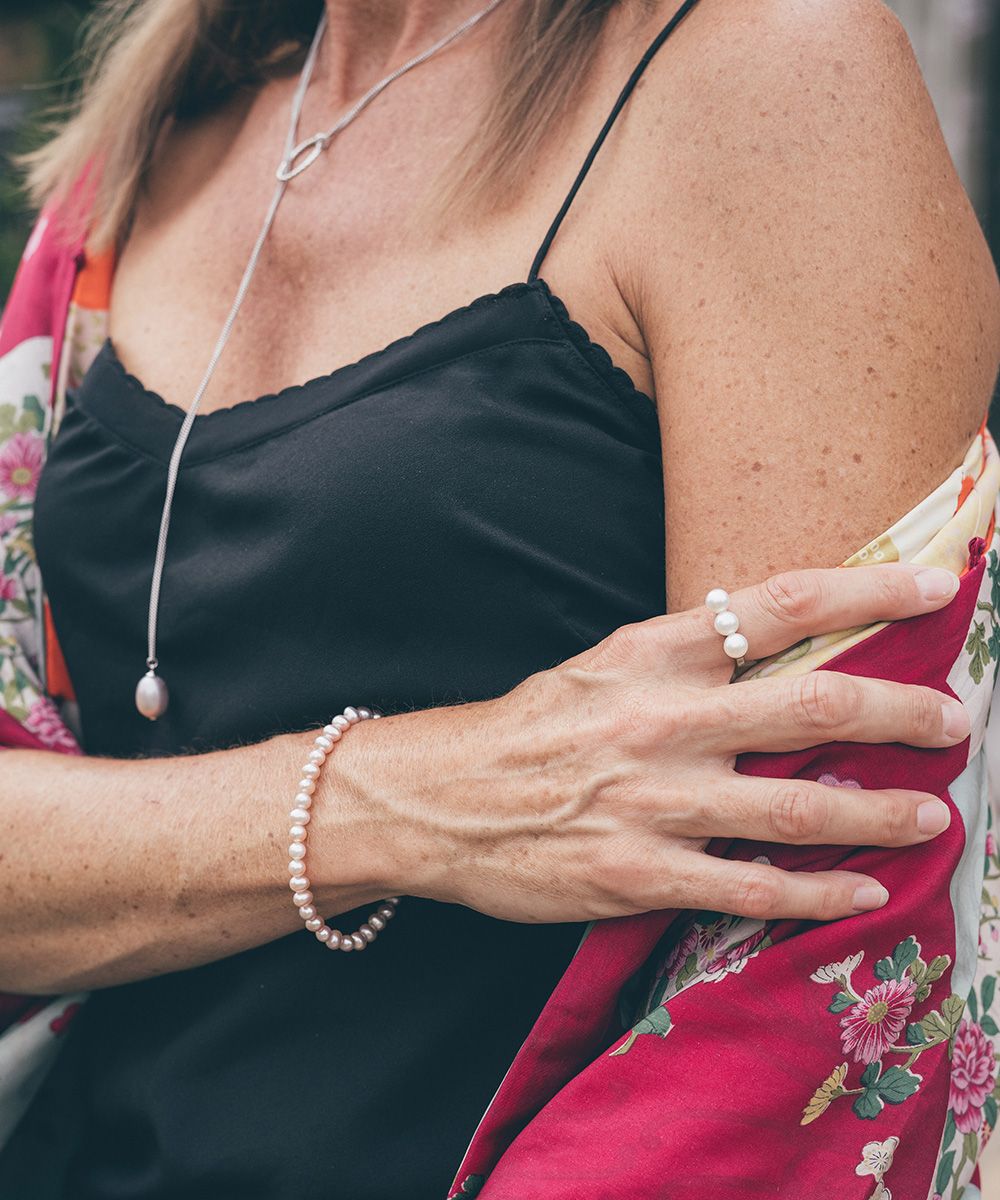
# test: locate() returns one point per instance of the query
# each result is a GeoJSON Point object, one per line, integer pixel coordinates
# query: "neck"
{"type": "Point", "coordinates": [366, 39]}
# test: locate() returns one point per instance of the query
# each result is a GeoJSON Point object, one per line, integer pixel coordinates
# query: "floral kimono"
{"type": "Point", "coordinates": [682, 1054]}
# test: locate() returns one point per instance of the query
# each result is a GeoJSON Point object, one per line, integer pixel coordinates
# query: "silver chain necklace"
{"type": "Point", "coordinates": [151, 694]}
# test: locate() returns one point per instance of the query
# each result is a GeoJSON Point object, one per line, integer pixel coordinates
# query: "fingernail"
{"type": "Point", "coordinates": [935, 583]}
{"type": "Point", "coordinates": [869, 896]}
{"type": "Point", "coordinates": [956, 720]}
{"type": "Point", "coordinates": [933, 816]}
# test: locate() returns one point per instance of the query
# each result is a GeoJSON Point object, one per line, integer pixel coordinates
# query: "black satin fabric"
{"type": "Point", "coordinates": [431, 525]}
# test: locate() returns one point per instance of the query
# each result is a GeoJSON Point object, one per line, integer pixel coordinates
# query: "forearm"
{"type": "Point", "coordinates": [113, 871]}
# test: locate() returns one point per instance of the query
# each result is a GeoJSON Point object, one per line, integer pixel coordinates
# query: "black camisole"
{"type": "Point", "coordinates": [429, 525]}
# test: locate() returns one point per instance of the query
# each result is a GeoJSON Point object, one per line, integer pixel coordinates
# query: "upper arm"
{"type": "Point", "coordinates": [819, 306]}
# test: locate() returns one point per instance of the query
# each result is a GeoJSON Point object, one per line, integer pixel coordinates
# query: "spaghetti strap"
{"type": "Point", "coordinates": [626, 91]}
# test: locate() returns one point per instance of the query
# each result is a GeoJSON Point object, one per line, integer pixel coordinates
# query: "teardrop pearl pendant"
{"type": "Point", "coordinates": [151, 695]}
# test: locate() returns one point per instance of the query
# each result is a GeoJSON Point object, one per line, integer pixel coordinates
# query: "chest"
{"type": "Point", "coordinates": [367, 246]}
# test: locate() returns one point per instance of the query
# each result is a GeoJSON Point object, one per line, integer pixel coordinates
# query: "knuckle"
{"type": "Point", "coordinates": [755, 893]}
{"type": "Point", "coordinates": [792, 596]}
{"type": "Point", "coordinates": [923, 713]}
{"type": "Point", "coordinates": [819, 700]}
{"type": "Point", "coordinates": [798, 813]}
{"type": "Point", "coordinates": [895, 820]}
{"type": "Point", "coordinates": [628, 644]}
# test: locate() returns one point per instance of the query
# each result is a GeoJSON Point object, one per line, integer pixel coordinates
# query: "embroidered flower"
{"type": "Point", "coordinates": [20, 465]}
{"type": "Point", "coordinates": [44, 722]}
{"type": "Point", "coordinates": [876, 1158]}
{"type": "Point", "coordinates": [991, 845]}
{"type": "Point", "coordinates": [825, 1095]}
{"type": "Point", "coordinates": [8, 587]}
{"type": "Point", "coordinates": [873, 1024]}
{"type": "Point", "coordinates": [833, 781]}
{"type": "Point", "coordinates": [973, 1075]}
{"type": "Point", "coordinates": [832, 972]}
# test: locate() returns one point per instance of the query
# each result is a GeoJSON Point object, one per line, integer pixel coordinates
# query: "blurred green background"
{"type": "Point", "coordinates": [956, 41]}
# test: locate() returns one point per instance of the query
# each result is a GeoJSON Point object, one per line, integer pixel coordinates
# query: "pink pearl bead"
{"type": "Point", "coordinates": [346, 943]}
{"type": "Point", "coordinates": [341, 723]}
{"type": "Point", "coordinates": [297, 833]}
{"type": "Point", "coordinates": [300, 816]}
{"type": "Point", "coordinates": [387, 912]}
{"type": "Point", "coordinates": [303, 800]}
{"type": "Point", "coordinates": [314, 924]}
{"type": "Point", "coordinates": [333, 732]}
{"type": "Point", "coordinates": [324, 743]}
{"type": "Point", "coordinates": [367, 932]}
{"type": "Point", "coordinates": [336, 937]}
{"type": "Point", "coordinates": [359, 941]}
{"type": "Point", "coordinates": [317, 756]}
{"type": "Point", "coordinates": [307, 912]}
{"type": "Point", "coordinates": [307, 785]}
{"type": "Point", "coordinates": [296, 868]}
{"type": "Point", "coordinates": [323, 933]}
{"type": "Point", "coordinates": [310, 770]}
{"type": "Point", "coordinates": [299, 883]}
{"type": "Point", "coordinates": [296, 850]}
{"type": "Point", "coordinates": [301, 898]}
{"type": "Point", "coordinates": [352, 714]}
{"type": "Point", "coordinates": [376, 922]}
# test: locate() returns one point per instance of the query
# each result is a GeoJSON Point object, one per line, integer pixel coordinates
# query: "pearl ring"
{"type": "Point", "coordinates": [727, 623]}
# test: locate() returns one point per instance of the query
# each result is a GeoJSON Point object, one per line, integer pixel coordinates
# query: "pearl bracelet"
{"type": "Point", "coordinates": [302, 897]}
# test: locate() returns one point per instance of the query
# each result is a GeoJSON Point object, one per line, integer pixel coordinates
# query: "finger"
{"type": "Point", "coordinates": [786, 608]}
{"type": "Point", "coordinates": [805, 812]}
{"type": "Point", "coordinates": [751, 889]}
{"type": "Point", "coordinates": [778, 715]}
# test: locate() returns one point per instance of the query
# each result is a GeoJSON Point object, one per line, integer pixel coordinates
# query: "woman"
{"type": "Point", "coordinates": [465, 527]}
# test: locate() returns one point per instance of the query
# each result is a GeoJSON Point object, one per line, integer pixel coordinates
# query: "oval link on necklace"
{"type": "Point", "coordinates": [151, 693]}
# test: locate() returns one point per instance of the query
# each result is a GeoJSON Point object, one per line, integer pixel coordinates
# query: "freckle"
{"type": "Point", "coordinates": [890, 340]}
{"type": "Point", "coordinates": [701, 302]}
{"type": "Point", "coordinates": [757, 467]}
{"type": "Point", "coordinates": [833, 95]}
{"type": "Point", "coordinates": [932, 255]}
{"type": "Point", "coordinates": [856, 457]}
{"type": "Point", "coordinates": [893, 395]}
{"type": "Point", "coordinates": [839, 66]}
{"type": "Point", "coordinates": [762, 112]}
{"type": "Point", "coordinates": [827, 450]}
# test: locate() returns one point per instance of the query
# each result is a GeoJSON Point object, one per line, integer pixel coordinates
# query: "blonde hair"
{"type": "Point", "coordinates": [151, 60]}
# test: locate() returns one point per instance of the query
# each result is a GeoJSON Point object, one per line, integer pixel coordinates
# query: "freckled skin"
{"type": "Point", "coordinates": [773, 243]}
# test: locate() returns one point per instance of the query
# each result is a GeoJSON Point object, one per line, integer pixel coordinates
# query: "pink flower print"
{"type": "Point", "coordinates": [712, 948]}
{"type": "Point", "coordinates": [991, 845]}
{"type": "Point", "coordinates": [8, 521]}
{"type": "Point", "coordinates": [873, 1024]}
{"type": "Point", "coordinates": [20, 465]}
{"type": "Point", "coordinates": [8, 588]}
{"type": "Point", "coordinates": [678, 955]}
{"type": "Point", "coordinates": [973, 1074]}
{"type": "Point", "coordinates": [832, 781]}
{"type": "Point", "coordinates": [745, 949]}
{"type": "Point", "coordinates": [44, 722]}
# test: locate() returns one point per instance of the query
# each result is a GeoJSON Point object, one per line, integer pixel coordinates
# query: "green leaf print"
{"type": "Point", "coordinates": [990, 1112]}
{"type": "Point", "coordinates": [945, 1167]}
{"type": "Point", "coordinates": [895, 967]}
{"type": "Point", "coordinates": [897, 1085]}
{"type": "Point", "coordinates": [657, 1023]}
{"type": "Point", "coordinates": [989, 1026]}
{"type": "Point", "coordinates": [978, 650]}
{"type": "Point", "coordinates": [840, 1003]}
{"type": "Point", "coordinates": [988, 992]}
{"type": "Point", "coordinates": [915, 1035]}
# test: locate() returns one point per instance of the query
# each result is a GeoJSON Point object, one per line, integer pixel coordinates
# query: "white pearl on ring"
{"type": "Point", "coordinates": [735, 645]}
{"type": "Point", "coordinates": [726, 623]}
{"type": "Point", "coordinates": [717, 600]}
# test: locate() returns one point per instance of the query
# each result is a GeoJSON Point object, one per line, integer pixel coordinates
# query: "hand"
{"type": "Point", "coordinates": [591, 789]}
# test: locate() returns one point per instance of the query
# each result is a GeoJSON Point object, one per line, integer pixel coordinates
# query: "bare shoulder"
{"type": "Point", "coordinates": [819, 306]}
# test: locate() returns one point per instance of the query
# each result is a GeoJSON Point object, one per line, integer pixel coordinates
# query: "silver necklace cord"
{"type": "Point", "coordinates": [151, 693]}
